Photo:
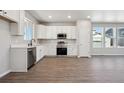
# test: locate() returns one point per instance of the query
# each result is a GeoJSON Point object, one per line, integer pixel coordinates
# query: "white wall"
{"type": "Point", "coordinates": [108, 51]}
{"type": "Point", "coordinates": [20, 39]}
{"type": "Point", "coordinates": [29, 16]}
{"type": "Point", "coordinates": [84, 44]}
{"type": "Point", "coordinates": [4, 47]}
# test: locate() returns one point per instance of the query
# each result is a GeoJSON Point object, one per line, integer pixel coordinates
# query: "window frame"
{"type": "Point", "coordinates": [101, 37]}
{"type": "Point", "coordinates": [118, 37]}
{"type": "Point", "coordinates": [27, 21]}
{"type": "Point", "coordinates": [115, 37]}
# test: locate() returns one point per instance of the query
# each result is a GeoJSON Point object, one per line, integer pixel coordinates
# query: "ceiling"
{"type": "Point", "coordinates": [95, 15]}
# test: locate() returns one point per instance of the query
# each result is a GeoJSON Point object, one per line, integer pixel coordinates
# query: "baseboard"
{"type": "Point", "coordinates": [39, 60]}
{"type": "Point", "coordinates": [107, 54]}
{"type": "Point", "coordinates": [61, 56]}
{"type": "Point", "coordinates": [5, 73]}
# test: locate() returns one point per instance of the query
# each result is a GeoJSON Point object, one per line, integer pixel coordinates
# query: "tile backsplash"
{"type": "Point", "coordinates": [18, 40]}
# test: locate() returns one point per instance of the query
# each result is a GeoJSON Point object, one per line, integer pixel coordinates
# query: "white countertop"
{"type": "Point", "coordinates": [18, 46]}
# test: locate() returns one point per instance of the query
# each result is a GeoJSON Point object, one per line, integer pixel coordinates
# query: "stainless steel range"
{"type": "Point", "coordinates": [61, 48]}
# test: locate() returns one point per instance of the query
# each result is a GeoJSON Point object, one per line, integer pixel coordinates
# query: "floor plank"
{"type": "Point", "coordinates": [98, 69]}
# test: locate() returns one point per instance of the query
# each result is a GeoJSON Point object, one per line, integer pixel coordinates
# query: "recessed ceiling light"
{"type": "Point", "coordinates": [69, 17]}
{"type": "Point", "coordinates": [88, 17]}
{"type": "Point", "coordinates": [50, 17]}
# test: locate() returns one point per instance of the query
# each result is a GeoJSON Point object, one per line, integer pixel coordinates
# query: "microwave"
{"type": "Point", "coordinates": [61, 36]}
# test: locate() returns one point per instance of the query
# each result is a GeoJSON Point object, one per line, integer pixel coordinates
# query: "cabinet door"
{"type": "Point", "coordinates": [54, 32]}
{"type": "Point", "coordinates": [42, 52]}
{"type": "Point", "coordinates": [14, 14]}
{"type": "Point", "coordinates": [41, 31]}
{"type": "Point", "coordinates": [64, 29]}
{"type": "Point", "coordinates": [59, 29]}
{"type": "Point", "coordinates": [38, 30]}
{"type": "Point", "coordinates": [51, 50]}
{"type": "Point", "coordinates": [72, 50]}
{"type": "Point", "coordinates": [68, 32]}
{"type": "Point", "coordinates": [73, 32]}
{"type": "Point", "coordinates": [39, 52]}
{"type": "Point", "coordinates": [49, 32]}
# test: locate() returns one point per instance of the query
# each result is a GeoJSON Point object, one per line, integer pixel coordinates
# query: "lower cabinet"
{"type": "Point", "coordinates": [39, 53]}
{"type": "Point", "coordinates": [19, 60]}
{"type": "Point", "coordinates": [22, 59]}
{"type": "Point", "coordinates": [50, 50]}
{"type": "Point", "coordinates": [72, 50]}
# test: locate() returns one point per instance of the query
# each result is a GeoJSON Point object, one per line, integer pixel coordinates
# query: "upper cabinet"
{"type": "Point", "coordinates": [50, 32]}
{"type": "Point", "coordinates": [71, 32]}
{"type": "Point", "coordinates": [41, 32]}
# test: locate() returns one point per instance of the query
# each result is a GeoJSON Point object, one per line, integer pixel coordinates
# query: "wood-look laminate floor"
{"type": "Point", "coordinates": [101, 69]}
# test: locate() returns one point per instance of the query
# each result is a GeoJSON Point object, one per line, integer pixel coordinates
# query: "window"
{"type": "Point", "coordinates": [28, 32]}
{"type": "Point", "coordinates": [120, 37]}
{"type": "Point", "coordinates": [97, 37]}
{"type": "Point", "coordinates": [110, 34]}
{"type": "Point", "coordinates": [108, 37]}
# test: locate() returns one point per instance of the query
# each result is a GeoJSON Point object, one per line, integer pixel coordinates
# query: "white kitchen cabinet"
{"type": "Point", "coordinates": [64, 30]}
{"type": "Point", "coordinates": [41, 31]}
{"type": "Point", "coordinates": [39, 52]}
{"type": "Point", "coordinates": [52, 31]}
{"type": "Point", "coordinates": [22, 58]}
{"type": "Point", "coordinates": [49, 32]}
{"type": "Point", "coordinates": [69, 32]}
{"type": "Point", "coordinates": [59, 29]}
{"type": "Point", "coordinates": [51, 49]}
{"type": "Point", "coordinates": [19, 60]}
{"type": "Point", "coordinates": [84, 34]}
{"type": "Point", "coordinates": [72, 50]}
{"type": "Point", "coordinates": [73, 32]}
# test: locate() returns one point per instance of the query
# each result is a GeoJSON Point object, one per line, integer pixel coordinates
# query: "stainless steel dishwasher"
{"type": "Point", "coordinates": [31, 56]}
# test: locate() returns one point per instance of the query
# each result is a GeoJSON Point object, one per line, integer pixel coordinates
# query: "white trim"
{"type": "Point", "coordinates": [107, 54]}
{"type": "Point", "coordinates": [5, 73]}
{"type": "Point", "coordinates": [25, 18]}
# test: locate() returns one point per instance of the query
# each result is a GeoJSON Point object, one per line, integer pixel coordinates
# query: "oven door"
{"type": "Point", "coordinates": [61, 51]}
